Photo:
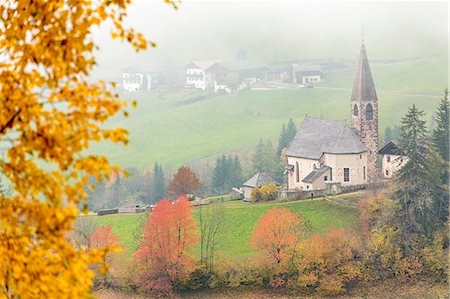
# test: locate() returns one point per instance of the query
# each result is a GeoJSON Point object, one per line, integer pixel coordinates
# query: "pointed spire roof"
{"type": "Point", "coordinates": [363, 87]}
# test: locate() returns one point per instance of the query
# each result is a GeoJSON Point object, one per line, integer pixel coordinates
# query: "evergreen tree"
{"type": "Point", "coordinates": [236, 172]}
{"type": "Point", "coordinates": [159, 183]}
{"type": "Point", "coordinates": [441, 133]}
{"type": "Point", "coordinates": [257, 159]}
{"type": "Point", "coordinates": [414, 183]}
{"type": "Point", "coordinates": [291, 130]}
{"type": "Point", "coordinates": [392, 133]}
{"type": "Point", "coordinates": [282, 140]}
{"type": "Point", "coordinates": [227, 174]}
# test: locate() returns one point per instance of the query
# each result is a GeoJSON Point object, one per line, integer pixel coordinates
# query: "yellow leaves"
{"type": "Point", "coordinates": [52, 112]}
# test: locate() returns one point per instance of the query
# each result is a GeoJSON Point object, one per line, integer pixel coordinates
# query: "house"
{"type": "Point", "coordinates": [258, 180]}
{"type": "Point", "coordinates": [391, 159]}
{"type": "Point", "coordinates": [235, 75]}
{"type": "Point", "coordinates": [134, 80]}
{"type": "Point", "coordinates": [305, 74]}
{"type": "Point", "coordinates": [326, 152]}
{"type": "Point", "coordinates": [197, 76]}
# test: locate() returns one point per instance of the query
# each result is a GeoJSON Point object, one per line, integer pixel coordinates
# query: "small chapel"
{"type": "Point", "coordinates": [327, 152]}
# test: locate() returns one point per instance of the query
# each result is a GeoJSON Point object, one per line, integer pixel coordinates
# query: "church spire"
{"type": "Point", "coordinates": [363, 87]}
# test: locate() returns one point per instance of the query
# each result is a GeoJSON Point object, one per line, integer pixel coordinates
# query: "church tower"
{"type": "Point", "coordinates": [364, 108]}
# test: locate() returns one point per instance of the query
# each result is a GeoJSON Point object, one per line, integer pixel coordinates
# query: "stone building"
{"type": "Point", "coordinates": [364, 107]}
{"type": "Point", "coordinates": [328, 152]}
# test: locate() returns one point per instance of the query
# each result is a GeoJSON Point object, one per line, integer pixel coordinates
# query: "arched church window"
{"type": "Point", "coordinates": [297, 172]}
{"type": "Point", "coordinates": [355, 110]}
{"type": "Point", "coordinates": [369, 112]}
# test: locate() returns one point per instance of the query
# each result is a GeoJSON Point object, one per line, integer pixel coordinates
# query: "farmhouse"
{"type": "Point", "coordinates": [258, 180]}
{"type": "Point", "coordinates": [134, 80]}
{"type": "Point", "coordinates": [234, 75]}
{"type": "Point", "coordinates": [391, 159]}
{"type": "Point", "coordinates": [197, 75]}
{"type": "Point", "coordinates": [328, 152]}
{"type": "Point", "coordinates": [304, 74]}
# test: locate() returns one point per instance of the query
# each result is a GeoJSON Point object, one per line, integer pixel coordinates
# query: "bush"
{"type": "Point", "coordinates": [265, 193]}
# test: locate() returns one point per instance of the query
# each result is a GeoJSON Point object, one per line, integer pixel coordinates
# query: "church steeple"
{"type": "Point", "coordinates": [364, 108]}
{"type": "Point", "coordinates": [363, 87]}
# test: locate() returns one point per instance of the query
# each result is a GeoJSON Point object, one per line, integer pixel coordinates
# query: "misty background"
{"type": "Point", "coordinates": [278, 31]}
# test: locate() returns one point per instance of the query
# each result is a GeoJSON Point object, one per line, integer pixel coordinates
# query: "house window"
{"type": "Point", "coordinates": [364, 172]}
{"type": "Point", "coordinates": [360, 156]}
{"type": "Point", "coordinates": [307, 186]}
{"type": "Point", "coordinates": [369, 112]}
{"type": "Point", "coordinates": [346, 174]}
{"type": "Point", "coordinates": [388, 158]}
{"type": "Point", "coordinates": [325, 178]}
{"type": "Point", "coordinates": [298, 172]}
{"type": "Point", "coordinates": [355, 110]}
{"type": "Point", "coordinates": [387, 172]}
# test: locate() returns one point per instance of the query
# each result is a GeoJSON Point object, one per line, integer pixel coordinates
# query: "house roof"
{"type": "Point", "coordinates": [259, 179]}
{"type": "Point", "coordinates": [202, 64]}
{"type": "Point", "coordinates": [317, 136]}
{"type": "Point", "coordinates": [315, 174]}
{"type": "Point", "coordinates": [391, 148]}
{"type": "Point", "coordinates": [363, 86]}
{"type": "Point", "coordinates": [239, 65]}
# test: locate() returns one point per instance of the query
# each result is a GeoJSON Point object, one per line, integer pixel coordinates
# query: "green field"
{"type": "Point", "coordinates": [241, 218]}
{"type": "Point", "coordinates": [179, 127]}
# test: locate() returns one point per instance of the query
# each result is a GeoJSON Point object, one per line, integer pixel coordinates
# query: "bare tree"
{"type": "Point", "coordinates": [211, 222]}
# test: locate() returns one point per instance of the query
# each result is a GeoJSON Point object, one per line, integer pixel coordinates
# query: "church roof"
{"type": "Point", "coordinates": [260, 179]}
{"type": "Point", "coordinates": [315, 174]}
{"type": "Point", "coordinates": [317, 136]}
{"type": "Point", "coordinates": [363, 86]}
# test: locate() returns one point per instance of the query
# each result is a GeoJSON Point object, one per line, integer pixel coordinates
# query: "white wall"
{"type": "Point", "coordinates": [355, 162]}
{"type": "Point", "coordinates": [390, 164]}
{"type": "Point", "coordinates": [305, 167]}
{"type": "Point", "coordinates": [200, 82]}
{"type": "Point", "coordinates": [311, 79]}
{"type": "Point", "coordinates": [132, 81]}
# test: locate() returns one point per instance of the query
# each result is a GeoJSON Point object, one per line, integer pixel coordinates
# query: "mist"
{"type": "Point", "coordinates": [279, 31]}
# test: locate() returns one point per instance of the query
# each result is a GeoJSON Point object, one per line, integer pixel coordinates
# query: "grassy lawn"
{"type": "Point", "coordinates": [241, 218]}
{"type": "Point", "coordinates": [178, 127]}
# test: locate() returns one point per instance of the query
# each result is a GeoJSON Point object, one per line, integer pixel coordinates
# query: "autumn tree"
{"type": "Point", "coordinates": [169, 235]}
{"type": "Point", "coordinates": [103, 237]}
{"type": "Point", "coordinates": [50, 113]}
{"type": "Point", "coordinates": [327, 262]}
{"type": "Point", "coordinates": [277, 236]}
{"type": "Point", "coordinates": [185, 181]}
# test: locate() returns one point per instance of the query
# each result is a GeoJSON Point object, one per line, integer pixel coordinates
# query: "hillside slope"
{"type": "Point", "coordinates": [177, 127]}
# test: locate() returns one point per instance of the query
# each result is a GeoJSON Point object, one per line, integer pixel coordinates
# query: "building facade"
{"type": "Point", "coordinates": [327, 152]}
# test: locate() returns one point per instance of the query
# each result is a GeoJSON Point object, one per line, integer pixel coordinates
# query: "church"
{"type": "Point", "coordinates": [326, 152]}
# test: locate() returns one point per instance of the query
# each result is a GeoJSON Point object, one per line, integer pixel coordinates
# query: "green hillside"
{"type": "Point", "coordinates": [241, 218]}
{"type": "Point", "coordinates": [179, 127]}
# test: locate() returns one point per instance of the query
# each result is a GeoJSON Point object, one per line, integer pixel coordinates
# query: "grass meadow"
{"type": "Point", "coordinates": [179, 127]}
{"type": "Point", "coordinates": [240, 220]}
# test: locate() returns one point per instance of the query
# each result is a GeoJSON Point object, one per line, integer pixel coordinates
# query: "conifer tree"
{"type": "Point", "coordinates": [236, 172]}
{"type": "Point", "coordinates": [282, 140]}
{"type": "Point", "coordinates": [414, 186]}
{"type": "Point", "coordinates": [219, 175]}
{"type": "Point", "coordinates": [441, 132]}
{"type": "Point", "coordinates": [159, 183]}
{"type": "Point", "coordinates": [291, 130]}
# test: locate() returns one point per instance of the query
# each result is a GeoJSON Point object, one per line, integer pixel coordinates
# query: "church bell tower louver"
{"type": "Point", "coordinates": [364, 109]}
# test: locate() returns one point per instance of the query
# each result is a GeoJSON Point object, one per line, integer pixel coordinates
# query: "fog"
{"type": "Point", "coordinates": [278, 31]}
